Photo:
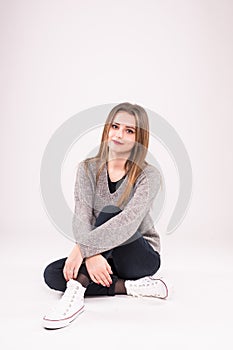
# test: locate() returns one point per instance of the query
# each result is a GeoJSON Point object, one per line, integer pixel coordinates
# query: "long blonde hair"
{"type": "Point", "coordinates": [136, 161]}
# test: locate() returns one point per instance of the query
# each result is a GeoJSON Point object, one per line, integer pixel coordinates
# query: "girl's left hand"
{"type": "Point", "coordinates": [99, 270]}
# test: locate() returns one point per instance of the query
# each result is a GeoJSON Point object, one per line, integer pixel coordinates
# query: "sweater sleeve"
{"type": "Point", "coordinates": [83, 193]}
{"type": "Point", "coordinates": [121, 227]}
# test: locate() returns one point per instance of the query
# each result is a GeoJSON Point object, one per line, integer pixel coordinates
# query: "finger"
{"type": "Point", "coordinates": [103, 280]}
{"type": "Point", "coordinates": [109, 269]}
{"type": "Point", "coordinates": [99, 279]}
{"type": "Point", "coordinates": [108, 277]}
{"type": "Point", "coordinates": [65, 274]}
{"type": "Point", "coordinates": [94, 279]}
{"type": "Point", "coordinates": [75, 273]}
{"type": "Point", "coordinates": [107, 273]}
{"type": "Point", "coordinates": [69, 272]}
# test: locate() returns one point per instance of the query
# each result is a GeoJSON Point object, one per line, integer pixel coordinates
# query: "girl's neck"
{"type": "Point", "coordinates": [117, 162]}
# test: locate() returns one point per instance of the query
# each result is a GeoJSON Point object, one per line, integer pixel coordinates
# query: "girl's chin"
{"type": "Point", "coordinates": [114, 151]}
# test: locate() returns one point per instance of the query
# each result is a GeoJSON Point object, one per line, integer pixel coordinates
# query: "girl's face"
{"type": "Point", "coordinates": [122, 133]}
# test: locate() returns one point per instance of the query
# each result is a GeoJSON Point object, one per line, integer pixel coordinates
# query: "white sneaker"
{"type": "Point", "coordinates": [148, 286]}
{"type": "Point", "coordinates": [68, 307]}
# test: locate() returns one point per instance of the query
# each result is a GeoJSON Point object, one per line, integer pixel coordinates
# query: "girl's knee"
{"type": "Point", "coordinates": [107, 212]}
{"type": "Point", "coordinates": [49, 275]}
{"type": "Point", "coordinates": [157, 263]}
{"type": "Point", "coordinates": [111, 208]}
{"type": "Point", "coordinates": [53, 275]}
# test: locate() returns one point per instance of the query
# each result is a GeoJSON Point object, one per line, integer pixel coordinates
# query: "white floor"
{"type": "Point", "coordinates": [197, 316]}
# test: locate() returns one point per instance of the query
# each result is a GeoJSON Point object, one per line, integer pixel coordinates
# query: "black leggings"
{"type": "Point", "coordinates": [131, 260]}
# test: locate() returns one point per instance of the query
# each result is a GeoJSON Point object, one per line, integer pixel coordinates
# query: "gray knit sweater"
{"type": "Point", "coordinates": [91, 198]}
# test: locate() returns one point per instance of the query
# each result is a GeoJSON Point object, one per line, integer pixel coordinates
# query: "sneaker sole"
{"type": "Point", "coordinates": [55, 324]}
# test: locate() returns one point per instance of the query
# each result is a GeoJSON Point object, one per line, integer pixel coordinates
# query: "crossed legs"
{"type": "Point", "coordinates": [129, 261]}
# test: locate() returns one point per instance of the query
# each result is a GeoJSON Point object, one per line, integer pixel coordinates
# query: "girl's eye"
{"type": "Point", "coordinates": [129, 131]}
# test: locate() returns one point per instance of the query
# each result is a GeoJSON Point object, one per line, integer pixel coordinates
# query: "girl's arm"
{"type": "Point", "coordinates": [83, 210]}
{"type": "Point", "coordinates": [121, 227]}
{"type": "Point", "coordinates": [83, 193]}
{"type": "Point", "coordinates": [73, 263]}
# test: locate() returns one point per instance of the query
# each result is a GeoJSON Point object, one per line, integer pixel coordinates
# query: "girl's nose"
{"type": "Point", "coordinates": [119, 132]}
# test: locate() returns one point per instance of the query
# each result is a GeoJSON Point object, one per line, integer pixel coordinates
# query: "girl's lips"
{"type": "Point", "coordinates": [117, 143]}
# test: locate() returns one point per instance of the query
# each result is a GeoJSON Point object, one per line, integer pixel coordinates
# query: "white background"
{"type": "Point", "coordinates": [173, 57]}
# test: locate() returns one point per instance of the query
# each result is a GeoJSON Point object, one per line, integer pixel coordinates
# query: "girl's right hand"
{"type": "Point", "coordinates": [73, 263]}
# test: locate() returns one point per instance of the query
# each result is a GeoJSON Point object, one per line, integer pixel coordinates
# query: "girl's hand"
{"type": "Point", "coordinates": [73, 263]}
{"type": "Point", "coordinates": [99, 270]}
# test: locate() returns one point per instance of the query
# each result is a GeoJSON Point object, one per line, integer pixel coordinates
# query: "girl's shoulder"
{"type": "Point", "coordinates": [89, 166]}
{"type": "Point", "coordinates": [150, 171]}
{"type": "Point", "coordinates": [149, 176]}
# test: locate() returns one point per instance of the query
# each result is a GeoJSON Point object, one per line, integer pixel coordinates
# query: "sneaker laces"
{"type": "Point", "coordinates": [139, 286]}
{"type": "Point", "coordinates": [73, 291]}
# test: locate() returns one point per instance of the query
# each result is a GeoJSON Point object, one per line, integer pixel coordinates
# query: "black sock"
{"type": "Point", "coordinates": [83, 279]}
{"type": "Point", "coordinates": [120, 287]}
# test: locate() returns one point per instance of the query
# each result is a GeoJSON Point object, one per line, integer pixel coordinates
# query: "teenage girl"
{"type": "Point", "coordinates": [117, 249]}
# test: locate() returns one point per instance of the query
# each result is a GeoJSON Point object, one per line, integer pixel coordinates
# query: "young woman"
{"type": "Point", "coordinates": [117, 247]}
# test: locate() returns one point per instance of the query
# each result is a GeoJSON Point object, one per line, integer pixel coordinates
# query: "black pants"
{"type": "Point", "coordinates": [131, 260]}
